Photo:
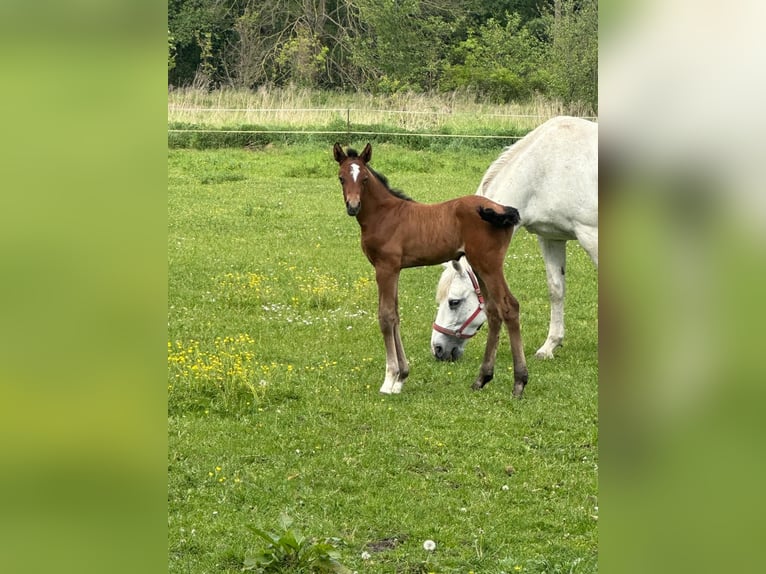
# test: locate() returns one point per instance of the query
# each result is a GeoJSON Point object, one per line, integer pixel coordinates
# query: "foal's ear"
{"type": "Point", "coordinates": [337, 151]}
{"type": "Point", "coordinates": [366, 153]}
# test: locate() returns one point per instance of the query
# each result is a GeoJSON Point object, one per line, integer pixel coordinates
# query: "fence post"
{"type": "Point", "coordinates": [348, 125]}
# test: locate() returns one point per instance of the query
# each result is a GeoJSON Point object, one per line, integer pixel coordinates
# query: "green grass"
{"type": "Point", "coordinates": [274, 365]}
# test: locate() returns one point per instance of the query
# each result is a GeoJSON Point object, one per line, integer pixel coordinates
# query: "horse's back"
{"type": "Point", "coordinates": [550, 176]}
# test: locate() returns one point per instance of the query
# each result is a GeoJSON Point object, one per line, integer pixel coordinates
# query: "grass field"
{"type": "Point", "coordinates": [274, 365]}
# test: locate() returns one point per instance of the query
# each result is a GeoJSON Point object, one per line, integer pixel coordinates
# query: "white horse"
{"type": "Point", "coordinates": [551, 177]}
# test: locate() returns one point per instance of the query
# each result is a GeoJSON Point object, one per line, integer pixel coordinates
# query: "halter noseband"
{"type": "Point", "coordinates": [459, 331]}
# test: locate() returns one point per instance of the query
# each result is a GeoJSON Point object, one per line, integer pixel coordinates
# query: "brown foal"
{"type": "Point", "coordinates": [398, 233]}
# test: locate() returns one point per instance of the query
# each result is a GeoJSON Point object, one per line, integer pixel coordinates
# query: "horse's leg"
{"type": "Point", "coordinates": [404, 365]}
{"type": "Point", "coordinates": [388, 318]}
{"type": "Point", "coordinates": [487, 369]}
{"type": "Point", "coordinates": [555, 256]}
{"type": "Point", "coordinates": [508, 312]}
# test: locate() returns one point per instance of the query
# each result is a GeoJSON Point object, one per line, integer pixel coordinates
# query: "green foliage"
{"type": "Point", "coordinates": [573, 54]}
{"type": "Point", "coordinates": [402, 45]}
{"type": "Point", "coordinates": [290, 552]}
{"type": "Point", "coordinates": [503, 63]}
{"type": "Point", "coordinates": [503, 51]}
{"type": "Point", "coordinates": [206, 70]}
{"type": "Point", "coordinates": [302, 57]}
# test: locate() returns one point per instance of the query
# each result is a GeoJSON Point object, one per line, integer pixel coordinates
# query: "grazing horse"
{"type": "Point", "coordinates": [398, 233]}
{"type": "Point", "coordinates": [551, 177]}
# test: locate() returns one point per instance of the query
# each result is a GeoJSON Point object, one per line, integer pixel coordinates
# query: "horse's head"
{"type": "Point", "coordinates": [461, 311]}
{"type": "Point", "coordinates": [353, 175]}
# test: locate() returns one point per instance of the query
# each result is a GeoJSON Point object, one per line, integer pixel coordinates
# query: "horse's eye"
{"type": "Point", "coordinates": [454, 303]}
{"type": "Point", "coordinates": [341, 180]}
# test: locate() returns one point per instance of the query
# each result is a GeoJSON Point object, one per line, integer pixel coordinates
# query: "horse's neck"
{"type": "Point", "coordinates": [377, 202]}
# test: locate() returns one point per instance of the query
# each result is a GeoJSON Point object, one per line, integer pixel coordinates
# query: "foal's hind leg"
{"type": "Point", "coordinates": [487, 369]}
{"type": "Point", "coordinates": [505, 307]}
{"type": "Point", "coordinates": [397, 367]}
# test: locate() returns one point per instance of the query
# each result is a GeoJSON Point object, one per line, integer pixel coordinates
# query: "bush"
{"type": "Point", "coordinates": [500, 62]}
{"type": "Point", "coordinates": [290, 551]}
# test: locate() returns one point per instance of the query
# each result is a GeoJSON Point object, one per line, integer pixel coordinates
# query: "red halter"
{"type": "Point", "coordinates": [459, 331]}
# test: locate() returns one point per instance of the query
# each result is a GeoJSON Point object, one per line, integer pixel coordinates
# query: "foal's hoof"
{"type": "Point", "coordinates": [481, 381]}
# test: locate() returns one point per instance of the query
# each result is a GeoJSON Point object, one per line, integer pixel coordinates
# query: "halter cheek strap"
{"type": "Point", "coordinates": [459, 331]}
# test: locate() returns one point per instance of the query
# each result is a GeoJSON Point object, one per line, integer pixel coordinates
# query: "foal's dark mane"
{"type": "Point", "coordinates": [350, 152]}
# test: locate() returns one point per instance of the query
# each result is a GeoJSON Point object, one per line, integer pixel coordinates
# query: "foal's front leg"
{"type": "Point", "coordinates": [397, 367]}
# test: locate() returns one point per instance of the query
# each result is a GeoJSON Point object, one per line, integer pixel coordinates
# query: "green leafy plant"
{"type": "Point", "coordinates": [290, 551]}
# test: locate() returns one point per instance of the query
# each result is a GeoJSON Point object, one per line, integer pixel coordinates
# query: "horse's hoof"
{"type": "Point", "coordinates": [481, 381]}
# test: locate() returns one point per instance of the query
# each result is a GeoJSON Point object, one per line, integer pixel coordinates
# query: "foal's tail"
{"type": "Point", "coordinates": [508, 218]}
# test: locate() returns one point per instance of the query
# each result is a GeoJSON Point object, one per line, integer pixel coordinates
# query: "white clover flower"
{"type": "Point", "coordinates": [366, 555]}
{"type": "Point", "coordinates": [506, 487]}
{"type": "Point", "coordinates": [429, 545]}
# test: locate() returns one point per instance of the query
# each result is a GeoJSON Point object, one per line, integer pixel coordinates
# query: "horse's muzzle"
{"type": "Point", "coordinates": [452, 353]}
{"type": "Point", "coordinates": [352, 209]}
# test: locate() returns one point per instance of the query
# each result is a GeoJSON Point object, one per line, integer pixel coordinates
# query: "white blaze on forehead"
{"type": "Point", "coordinates": [355, 170]}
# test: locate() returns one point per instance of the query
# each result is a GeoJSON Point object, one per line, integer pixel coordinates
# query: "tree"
{"type": "Point", "coordinates": [401, 44]}
{"type": "Point", "coordinates": [573, 53]}
{"type": "Point", "coordinates": [502, 63]}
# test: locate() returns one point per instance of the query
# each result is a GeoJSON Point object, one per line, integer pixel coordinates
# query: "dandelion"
{"type": "Point", "coordinates": [429, 545]}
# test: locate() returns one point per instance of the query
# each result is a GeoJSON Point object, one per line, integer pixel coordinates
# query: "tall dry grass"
{"type": "Point", "coordinates": [460, 112]}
